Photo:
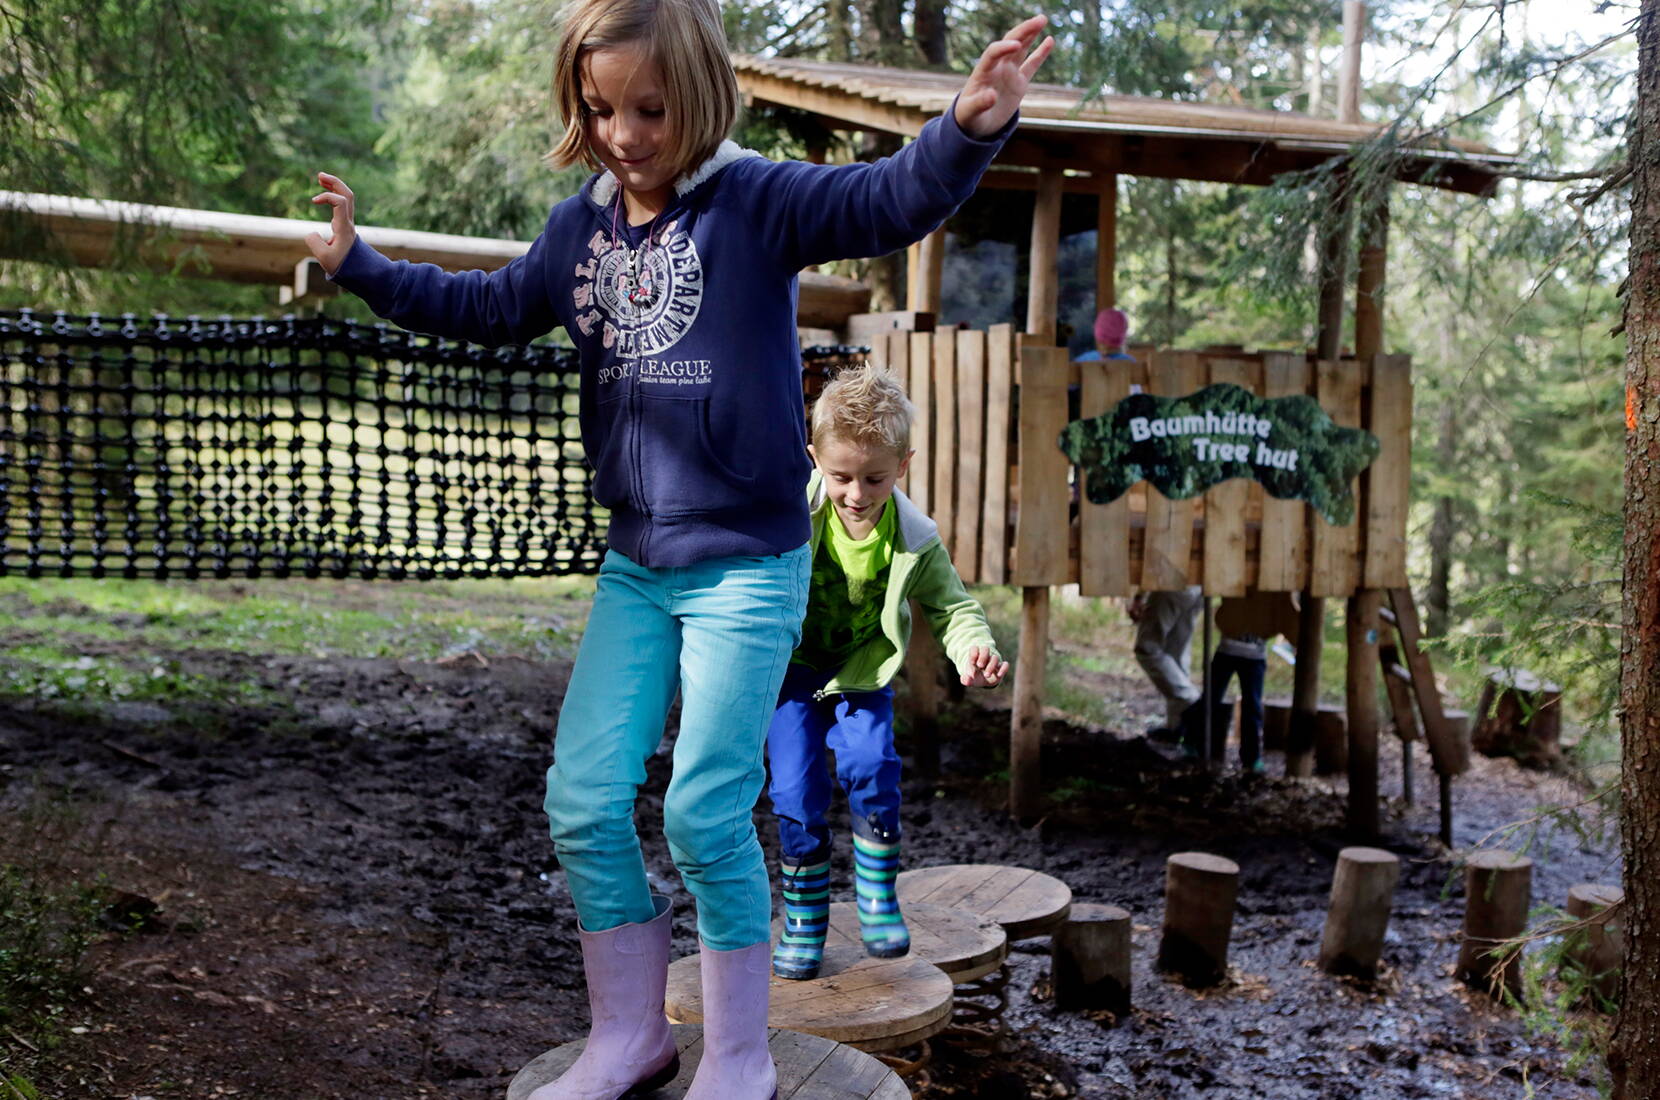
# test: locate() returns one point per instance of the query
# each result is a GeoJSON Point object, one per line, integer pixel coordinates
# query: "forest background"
{"type": "Point", "coordinates": [437, 112]}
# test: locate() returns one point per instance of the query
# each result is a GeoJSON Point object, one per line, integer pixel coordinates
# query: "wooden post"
{"type": "Point", "coordinates": [1043, 286]}
{"type": "Point", "coordinates": [1090, 959]}
{"type": "Point", "coordinates": [1026, 740]}
{"type": "Point", "coordinates": [923, 662]}
{"type": "Point", "coordinates": [1598, 949]}
{"type": "Point", "coordinates": [1106, 244]}
{"type": "Point", "coordinates": [1348, 81]}
{"type": "Point", "coordinates": [1497, 888]}
{"type": "Point", "coordinates": [1362, 893]}
{"type": "Point", "coordinates": [1026, 747]}
{"type": "Point", "coordinates": [1361, 704]}
{"type": "Point", "coordinates": [1305, 688]}
{"type": "Point", "coordinates": [1199, 895]}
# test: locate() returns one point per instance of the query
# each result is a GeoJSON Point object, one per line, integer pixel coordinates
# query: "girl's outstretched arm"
{"type": "Point", "coordinates": [1000, 79]}
{"type": "Point", "coordinates": [342, 224]}
{"type": "Point", "coordinates": [510, 305]}
{"type": "Point", "coordinates": [811, 214]}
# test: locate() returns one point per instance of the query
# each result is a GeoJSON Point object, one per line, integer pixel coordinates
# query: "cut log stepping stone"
{"type": "Point", "coordinates": [1025, 902]}
{"type": "Point", "coordinates": [1199, 894]}
{"type": "Point", "coordinates": [965, 945]}
{"type": "Point", "coordinates": [1599, 950]}
{"type": "Point", "coordinates": [1498, 888]}
{"type": "Point", "coordinates": [809, 1068]}
{"type": "Point", "coordinates": [873, 1004]}
{"type": "Point", "coordinates": [1090, 964]}
{"type": "Point", "coordinates": [1362, 896]}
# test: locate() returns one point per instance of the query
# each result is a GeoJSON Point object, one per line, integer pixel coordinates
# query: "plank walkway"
{"type": "Point", "coordinates": [809, 1068]}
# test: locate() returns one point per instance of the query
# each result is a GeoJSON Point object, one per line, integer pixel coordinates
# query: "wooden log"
{"type": "Point", "coordinates": [1331, 741]}
{"type": "Point", "coordinates": [1498, 887]}
{"type": "Point", "coordinates": [1448, 746]}
{"type": "Point", "coordinates": [1519, 716]}
{"type": "Point", "coordinates": [1026, 736]}
{"type": "Point", "coordinates": [1199, 894]}
{"type": "Point", "coordinates": [1025, 902]}
{"type": "Point", "coordinates": [1597, 950]}
{"type": "Point", "coordinates": [1090, 959]}
{"type": "Point", "coordinates": [1043, 285]}
{"type": "Point", "coordinates": [1361, 707]}
{"type": "Point", "coordinates": [1276, 719]}
{"type": "Point", "coordinates": [1362, 893]}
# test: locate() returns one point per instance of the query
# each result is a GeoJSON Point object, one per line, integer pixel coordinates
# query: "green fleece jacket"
{"type": "Point", "coordinates": [921, 571]}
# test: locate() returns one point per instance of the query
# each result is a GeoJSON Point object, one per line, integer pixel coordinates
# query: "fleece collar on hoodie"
{"type": "Point", "coordinates": [605, 186]}
{"type": "Point", "coordinates": [915, 528]}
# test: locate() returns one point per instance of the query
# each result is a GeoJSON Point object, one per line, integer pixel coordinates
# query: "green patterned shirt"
{"type": "Point", "coordinates": [850, 579]}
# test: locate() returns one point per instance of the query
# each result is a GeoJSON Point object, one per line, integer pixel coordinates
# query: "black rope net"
{"type": "Point", "coordinates": [291, 447]}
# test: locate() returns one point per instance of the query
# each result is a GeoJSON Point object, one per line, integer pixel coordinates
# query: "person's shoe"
{"type": "Point", "coordinates": [800, 951]}
{"type": "Point", "coordinates": [736, 1064]}
{"type": "Point", "coordinates": [875, 869]}
{"type": "Point", "coordinates": [630, 1049]}
{"type": "Point", "coordinates": [1256, 767]}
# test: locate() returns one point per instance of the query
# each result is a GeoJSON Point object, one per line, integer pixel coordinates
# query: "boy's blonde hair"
{"type": "Point", "coordinates": [866, 406]}
{"type": "Point", "coordinates": [686, 40]}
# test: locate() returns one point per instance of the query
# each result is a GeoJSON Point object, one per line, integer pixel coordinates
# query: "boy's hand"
{"type": "Point", "coordinates": [332, 253]}
{"type": "Point", "coordinates": [985, 669]}
{"type": "Point", "coordinates": [998, 82]}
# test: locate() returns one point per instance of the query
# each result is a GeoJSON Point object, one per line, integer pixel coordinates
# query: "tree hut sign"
{"type": "Point", "coordinates": [1185, 445]}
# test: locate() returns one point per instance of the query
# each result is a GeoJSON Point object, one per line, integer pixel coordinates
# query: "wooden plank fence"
{"type": "Point", "coordinates": [990, 405]}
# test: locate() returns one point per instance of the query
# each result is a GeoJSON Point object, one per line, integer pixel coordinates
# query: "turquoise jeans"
{"type": "Point", "coordinates": [721, 633]}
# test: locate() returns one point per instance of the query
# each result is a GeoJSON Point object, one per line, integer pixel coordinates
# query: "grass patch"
{"type": "Point", "coordinates": [538, 619]}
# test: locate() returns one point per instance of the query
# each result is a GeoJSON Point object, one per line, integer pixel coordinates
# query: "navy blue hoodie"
{"type": "Point", "coordinates": [691, 370]}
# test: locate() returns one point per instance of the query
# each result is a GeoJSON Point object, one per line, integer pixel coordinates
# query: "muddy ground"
{"type": "Point", "coordinates": [358, 899]}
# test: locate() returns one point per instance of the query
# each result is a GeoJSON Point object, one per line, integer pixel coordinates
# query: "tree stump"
{"type": "Point", "coordinates": [1498, 886]}
{"type": "Point", "coordinates": [1597, 949]}
{"type": "Point", "coordinates": [1090, 959]}
{"type": "Point", "coordinates": [1199, 894]}
{"type": "Point", "coordinates": [1362, 894]}
{"type": "Point", "coordinates": [1520, 716]}
{"type": "Point", "coordinates": [1276, 721]}
{"type": "Point", "coordinates": [1331, 740]}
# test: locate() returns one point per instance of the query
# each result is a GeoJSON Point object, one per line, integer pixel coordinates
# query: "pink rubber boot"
{"type": "Point", "coordinates": [630, 1048]}
{"type": "Point", "coordinates": [736, 1063]}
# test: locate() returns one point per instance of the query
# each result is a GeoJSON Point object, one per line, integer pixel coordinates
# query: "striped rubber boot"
{"type": "Point", "coordinates": [881, 925]}
{"type": "Point", "coordinates": [800, 951]}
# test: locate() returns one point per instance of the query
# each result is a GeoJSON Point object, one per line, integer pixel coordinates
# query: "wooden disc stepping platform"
{"type": "Point", "coordinates": [875, 1005]}
{"type": "Point", "coordinates": [809, 1068]}
{"type": "Point", "coordinates": [1025, 902]}
{"type": "Point", "coordinates": [964, 945]}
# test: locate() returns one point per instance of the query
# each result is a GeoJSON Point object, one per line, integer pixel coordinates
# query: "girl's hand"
{"type": "Point", "coordinates": [332, 253]}
{"type": "Point", "coordinates": [998, 82]}
{"type": "Point", "coordinates": [985, 669]}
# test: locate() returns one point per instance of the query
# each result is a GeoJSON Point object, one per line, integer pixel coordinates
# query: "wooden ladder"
{"type": "Point", "coordinates": [1409, 679]}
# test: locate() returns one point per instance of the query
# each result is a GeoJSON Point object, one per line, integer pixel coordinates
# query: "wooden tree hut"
{"type": "Point", "coordinates": [994, 477]}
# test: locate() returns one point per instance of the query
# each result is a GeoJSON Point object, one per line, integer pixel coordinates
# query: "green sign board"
{"type": "Point", "coordinates": [1184, 445]}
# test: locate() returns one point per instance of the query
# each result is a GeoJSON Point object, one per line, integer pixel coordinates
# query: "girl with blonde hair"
{"type": "Point", "coordinates": [674, 272]}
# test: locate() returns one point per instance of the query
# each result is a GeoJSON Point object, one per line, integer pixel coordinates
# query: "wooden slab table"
{"type": "Point", "coordinates": [809, 1068]}
{"type": "Point", "coordinates": [1025, 902]}
{"type": "Point", "coordinates": [874, 1005]}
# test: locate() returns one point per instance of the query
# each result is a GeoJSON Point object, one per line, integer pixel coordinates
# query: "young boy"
{"type": "Point", "coordinates": [873, 552]}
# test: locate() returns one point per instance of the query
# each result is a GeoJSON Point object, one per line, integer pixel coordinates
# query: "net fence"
{"type": "Point", "coordinates": [157, 447]}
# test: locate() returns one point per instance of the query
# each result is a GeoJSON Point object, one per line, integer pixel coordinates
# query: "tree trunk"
{"type": "Point", "coordinates": [882, 38]}
{"type": "Point", "coordinates": [1634, 1057]}
{"type": "Point", "coordinates": [928, 23]}
{"type": "Point", "coordinates": [838, 29]}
